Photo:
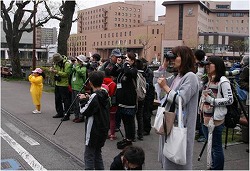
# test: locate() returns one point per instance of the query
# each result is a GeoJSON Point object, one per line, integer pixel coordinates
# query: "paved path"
{"type": "Point", "coordinates": [16, 99]}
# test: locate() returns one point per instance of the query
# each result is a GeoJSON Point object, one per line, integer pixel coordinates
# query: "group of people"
{"type": "Point", "coordinates": [106, 95]}
{"type": "Point", "coordinates": [193, 72]}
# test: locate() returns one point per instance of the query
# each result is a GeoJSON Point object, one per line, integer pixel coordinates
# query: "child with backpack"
{"type": "Point", "coordinates": [109, 82]}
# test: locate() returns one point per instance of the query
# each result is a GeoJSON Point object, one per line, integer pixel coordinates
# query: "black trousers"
{"type": "Point", "coordinates": [147, 113]}
{"type": "Point", "coordinates": [62, 100]}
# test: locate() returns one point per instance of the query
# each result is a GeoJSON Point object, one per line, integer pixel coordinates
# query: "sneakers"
{"type": "Point", "coordinates": [36, 111]}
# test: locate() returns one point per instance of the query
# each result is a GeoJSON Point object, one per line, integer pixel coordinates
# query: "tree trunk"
{"type": "Point", "coordinates": [65, 26]}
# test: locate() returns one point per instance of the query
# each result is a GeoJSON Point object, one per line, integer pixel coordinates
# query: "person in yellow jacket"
{"type": "Point", "coordinates": [36, 88]}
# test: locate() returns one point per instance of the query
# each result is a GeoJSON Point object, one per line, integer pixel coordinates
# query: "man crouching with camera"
{"type": "Point", "coordinates": [61, 69]}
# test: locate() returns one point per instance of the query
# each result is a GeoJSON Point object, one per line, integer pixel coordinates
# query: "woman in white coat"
{"type": "Point", "coordinates": [186, 82]}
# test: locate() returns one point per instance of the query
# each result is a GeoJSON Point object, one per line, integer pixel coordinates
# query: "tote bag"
{"type": "Point", "coordinates": [175, 145]}
{"type": "Point", "coordinates": [163, 116]}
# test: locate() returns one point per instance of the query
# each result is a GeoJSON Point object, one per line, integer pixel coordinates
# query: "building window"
{"type": "Point", "coordinates": [129, 33]}
{"type": "Point", "coordinates": [242, 21]}
{"type": "Point", "coordinates": [157, 31]}
{"type": "Point", "coordinates": [129, 42]}
{"type": "Point", "coordinates": [153, 31]}
{"type": "Point", "coordinates": [101, 35]}
{"type": "Point", "coordinates": [116, 34]}
{"type": "Point", "coordinates": [154, 48]}
{"type": "Point", "coordinates": [222, 14]}
{"type": "Point", "coordinates": [120, 34]}
{"type": "Point", "coordinates": [134, 41]}
{"type": "Point", "coordinates": [238, 14]}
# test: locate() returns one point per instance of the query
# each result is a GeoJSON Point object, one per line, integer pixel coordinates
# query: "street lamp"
{"type": "Point", "coordinates": [34, 38]}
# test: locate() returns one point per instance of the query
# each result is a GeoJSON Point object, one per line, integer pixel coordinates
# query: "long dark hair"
{"type": "Point", "coordinates": [220, 67]}
{"type": "Point", "coordinates": [187, 59]}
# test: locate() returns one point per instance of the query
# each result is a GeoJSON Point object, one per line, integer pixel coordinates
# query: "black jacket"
{"type": "Point", "coordinates": [97, 118]}
{"type": "Point", "coordinates": [126, 95]}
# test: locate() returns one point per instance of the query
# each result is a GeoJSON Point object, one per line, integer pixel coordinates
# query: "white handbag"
{"type": "Point", "coordinates": [175, 146]}
{"type": "Point", "coordinates": [162, 116]}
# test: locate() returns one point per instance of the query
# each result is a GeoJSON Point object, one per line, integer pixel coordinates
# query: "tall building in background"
{"type": "Point", "coordinates": [130, 26]}
{"type": "Point", "coordinates": [48, 36]}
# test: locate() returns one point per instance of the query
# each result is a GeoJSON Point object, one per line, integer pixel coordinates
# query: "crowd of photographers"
{"type": "Point", "coordinates": [71, 79]}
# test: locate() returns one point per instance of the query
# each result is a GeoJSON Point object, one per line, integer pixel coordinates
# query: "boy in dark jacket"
{"type": "Point", "coordinates": [97, 122]}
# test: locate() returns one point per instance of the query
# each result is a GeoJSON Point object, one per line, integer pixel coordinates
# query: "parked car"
{"type": "Point", "coordinates": [6, 72]}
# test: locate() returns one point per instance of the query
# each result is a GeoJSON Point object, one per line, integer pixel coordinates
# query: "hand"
{"type": "Point", "coordinates": [163, 84]}
{"type": "Point", "coordinates": [165, 63]}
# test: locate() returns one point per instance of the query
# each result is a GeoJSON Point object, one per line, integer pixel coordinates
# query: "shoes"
{"type": "Point", "coordinates": [36, 111]}
{"type": "Point", "coordinates": [112, 137]}
{"type": "Point", "coordinates": [146, 133]}
{"type": "Point", "coordinates": [201, 139]}
{"type": "Point", "coordinates": [66, 118]}
{"type": "Point", "coordinates": [79, 120]}
{"type": "Point", "coordinates": [58, 116]}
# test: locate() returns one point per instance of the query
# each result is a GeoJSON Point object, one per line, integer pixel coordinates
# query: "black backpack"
{"type": "Point", "coordinates": [232, 117]}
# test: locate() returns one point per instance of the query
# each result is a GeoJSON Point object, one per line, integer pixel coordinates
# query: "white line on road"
{"type": "Point", "coordinates": [24, 136]}
{"type": "Point", "coordinates": [22, 152]}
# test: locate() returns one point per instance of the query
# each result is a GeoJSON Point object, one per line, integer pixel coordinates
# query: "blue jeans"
{"type": "Point", "coordinates": [217, 149]}
{"type": "Point", "coordinates": [93, 158]}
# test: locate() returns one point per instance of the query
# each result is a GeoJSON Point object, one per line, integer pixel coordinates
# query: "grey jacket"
{"type": "Point", "coordinates": [189, 92]}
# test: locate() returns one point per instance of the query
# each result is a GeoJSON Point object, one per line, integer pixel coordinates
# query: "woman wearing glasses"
{"type": "Point", "coordinates": [186, 82]}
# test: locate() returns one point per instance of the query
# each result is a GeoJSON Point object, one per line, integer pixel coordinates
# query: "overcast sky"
{"type": "Point", "coordinates": [160, 10]}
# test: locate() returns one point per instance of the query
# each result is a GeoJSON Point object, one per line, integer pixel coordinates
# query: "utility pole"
{"type": "Point", "coordinates": [34, 38]}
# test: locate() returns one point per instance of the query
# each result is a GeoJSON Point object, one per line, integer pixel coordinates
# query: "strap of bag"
{"type": "Point", "coordinates": [172, 109]}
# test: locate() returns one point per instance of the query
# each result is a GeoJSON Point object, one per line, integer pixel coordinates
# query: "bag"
{"type": "Point", "coordinates": [113, 98]}
{"type": "Point", "coordinates": [167, 117]}
{"type": "Point", "coordinates": [141, 86]}
{"type": "Point", "coordinates": [175, 146]}
{"type": "Point", "coordinates": [123, 143]}
{"type": "Point", "coordinates": [241, 93]}
{"type": "Point", "coordinates": [232, 117]}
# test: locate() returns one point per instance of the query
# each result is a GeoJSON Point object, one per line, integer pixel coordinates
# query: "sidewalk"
{"type": "Point", "coordinates": [16, 100]}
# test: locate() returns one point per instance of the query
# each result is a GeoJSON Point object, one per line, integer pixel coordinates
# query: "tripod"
{"type": "Point", "coordinates": [71, 105]}
{"type": "Point", "coordinates": [233, 84]}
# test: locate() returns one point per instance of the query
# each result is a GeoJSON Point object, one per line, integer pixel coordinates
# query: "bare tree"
{"type": "Point", "coordinates": [145, 41]}
{"type": "Point", "coordinates": [15, 27]}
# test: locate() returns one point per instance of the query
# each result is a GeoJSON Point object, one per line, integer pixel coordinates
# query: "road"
{"type": "Point", "coordinates": [22, 146]}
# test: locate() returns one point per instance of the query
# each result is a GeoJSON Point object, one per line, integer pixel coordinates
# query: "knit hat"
{"type": "Point", "coordinates": [82, 58]}
{"type": "Point", "coordinates": [245, 60]}
{"type": "Point", "coordinates": [116, 52]}
{"type": "Point", "coordinates": [57, 58]}
{"type": "Point", "coordinates": [38, 70]}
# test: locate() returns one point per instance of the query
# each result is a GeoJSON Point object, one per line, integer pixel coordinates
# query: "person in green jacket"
{"type": "Point", "coordinates": [61, 69]}
{"type": "Point", "coordinates": [79, 76]}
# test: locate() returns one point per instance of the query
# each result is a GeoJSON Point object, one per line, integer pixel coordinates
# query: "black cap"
{"type": "Point", "coordinates": [96, 56]}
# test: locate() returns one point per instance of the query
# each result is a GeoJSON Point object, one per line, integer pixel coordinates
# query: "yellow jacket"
{"type": "Point", "coordinates": [36, 88]}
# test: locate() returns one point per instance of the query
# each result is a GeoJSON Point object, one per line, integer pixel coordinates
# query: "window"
{"type": "Point", "coordinates": [222, 14]}
{"type": "Point", "coordinates": [153, 31]}
{"type": "Point", "coordinates": [238, 14]}
{"type": "Point", "coordinates": [154, 48]}
{"type": "Point", "coordinates": [157, 31]}
{"type": "Point", "coordinates": [134, 41]}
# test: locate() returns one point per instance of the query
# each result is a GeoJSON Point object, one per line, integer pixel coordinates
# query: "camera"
{"type": "Point", "coordinates": [57, 78]}
{"type": "Point", "coordinates": [170, 55]}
